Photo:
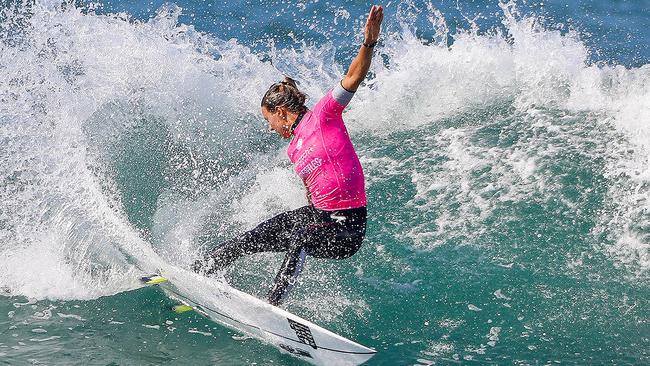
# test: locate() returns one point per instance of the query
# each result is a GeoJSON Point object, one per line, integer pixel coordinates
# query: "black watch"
{"type": "Point", "coordinates": [370, 45]}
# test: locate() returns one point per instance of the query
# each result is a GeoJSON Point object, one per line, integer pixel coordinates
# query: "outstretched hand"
{"type": "Point", "coordinates": [373, 24]}
{"type": "Point", "coordinates": [360, 65]}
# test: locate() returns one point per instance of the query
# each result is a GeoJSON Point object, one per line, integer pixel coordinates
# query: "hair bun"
{"type": "Point", "coordinates": [284, 94]}
{"type": "Point", "coordinates": [289, 81]}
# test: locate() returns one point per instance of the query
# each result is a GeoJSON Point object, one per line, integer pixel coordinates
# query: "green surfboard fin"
{"type": "Point", "coordinates": [179, 309]}
{"type": "Point", "coordinates": [153, 279]}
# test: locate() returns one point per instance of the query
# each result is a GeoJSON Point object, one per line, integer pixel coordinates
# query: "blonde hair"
{"type": "Point", "coordinates": [284, 94]}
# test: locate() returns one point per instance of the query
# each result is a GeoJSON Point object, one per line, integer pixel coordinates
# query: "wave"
{"type": "Point", "coordinates": [127, 142]}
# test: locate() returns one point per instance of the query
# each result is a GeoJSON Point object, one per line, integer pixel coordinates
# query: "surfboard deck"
{"type": "Point", "coordinates": [245, 313]}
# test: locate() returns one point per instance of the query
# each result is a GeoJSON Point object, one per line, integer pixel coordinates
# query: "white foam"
{"type": "Point", "coordinates": [70, 316]}
{"type": "Point", "coordinates": [493, 336]}
{"type": "Point", "coordinates": [207, 334]}
{"type": "Point", "coordinates": [51, 338]}
{"type": "Point", "coordinates": [631, 249]}
{"type": "Point", "coordinates": [499, 295]}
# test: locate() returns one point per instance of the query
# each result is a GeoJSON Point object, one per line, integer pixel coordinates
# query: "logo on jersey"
{"type": "Point", "coordinates": [310, 167]}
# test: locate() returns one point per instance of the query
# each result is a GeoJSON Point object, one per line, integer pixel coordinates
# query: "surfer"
{"type": "Point", "coordinates": [333, 225]}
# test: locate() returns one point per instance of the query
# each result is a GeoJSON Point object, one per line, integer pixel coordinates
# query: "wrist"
{"type": "Point", "coordinates": [369, 44]}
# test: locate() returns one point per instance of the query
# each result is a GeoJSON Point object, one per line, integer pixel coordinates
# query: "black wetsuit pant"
{"type": "Point", "coordinates": [301, 232]}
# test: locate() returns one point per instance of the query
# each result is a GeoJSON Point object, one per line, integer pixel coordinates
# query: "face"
{"type": "Point", "coordinates": [278, 121]}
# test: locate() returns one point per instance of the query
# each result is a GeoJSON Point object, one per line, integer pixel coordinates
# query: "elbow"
{"type": "Point", "coordinates": [351, 83]}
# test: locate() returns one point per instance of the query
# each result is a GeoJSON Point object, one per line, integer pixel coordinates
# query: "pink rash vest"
{"type": "Point", "coordinates": [324, 158]}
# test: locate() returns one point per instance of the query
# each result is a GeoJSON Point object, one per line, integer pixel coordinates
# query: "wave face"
{"type": "Point", "coordinates": [508, 173]}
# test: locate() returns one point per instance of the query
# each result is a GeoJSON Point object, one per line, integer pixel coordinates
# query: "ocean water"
{"type": "Point", "coordinates": [506, 148]}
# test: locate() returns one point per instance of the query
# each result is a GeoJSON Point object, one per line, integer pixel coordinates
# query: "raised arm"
{"type": "Point", "coordinates": [360, 65]}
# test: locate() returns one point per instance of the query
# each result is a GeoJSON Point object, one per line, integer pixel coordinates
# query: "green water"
{"type": "Point", "coordinates": [507, 180]}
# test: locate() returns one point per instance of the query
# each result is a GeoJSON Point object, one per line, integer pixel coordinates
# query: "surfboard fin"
{"type": "Point", "coordinates": [182, 308]}
{"type": "Point", "coordinates": [153, 279]}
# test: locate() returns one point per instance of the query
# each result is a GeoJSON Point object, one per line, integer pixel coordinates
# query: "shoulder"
{"type": "Point", "coordinates": [334, 101]}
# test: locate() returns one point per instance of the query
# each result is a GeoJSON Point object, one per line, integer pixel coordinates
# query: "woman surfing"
{"type": "Point", "coordinates": [333, 225]}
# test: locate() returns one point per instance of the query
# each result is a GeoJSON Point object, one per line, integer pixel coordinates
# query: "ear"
{"type": "Point", "coordinates": [281, 112]}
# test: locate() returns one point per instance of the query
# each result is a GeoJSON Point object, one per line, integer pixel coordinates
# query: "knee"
{"type": "Point", "coordinates": [346, 248]}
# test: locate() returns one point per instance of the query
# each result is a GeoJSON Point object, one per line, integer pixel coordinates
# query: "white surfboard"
{"type": "Point", "coordinates": [252, 316]}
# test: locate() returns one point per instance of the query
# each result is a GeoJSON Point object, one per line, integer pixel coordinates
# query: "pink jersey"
{"type": "Point", "coordinates": [323, 156]}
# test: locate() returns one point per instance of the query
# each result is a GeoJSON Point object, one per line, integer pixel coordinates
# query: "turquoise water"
{"type": "Point", "coordinates": [506, 150]}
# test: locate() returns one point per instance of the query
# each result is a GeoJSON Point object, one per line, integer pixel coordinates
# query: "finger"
{"type": "Point", "coordinates": [379, 14]}
{"type": "Point", "coordinates": [370, 15]}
